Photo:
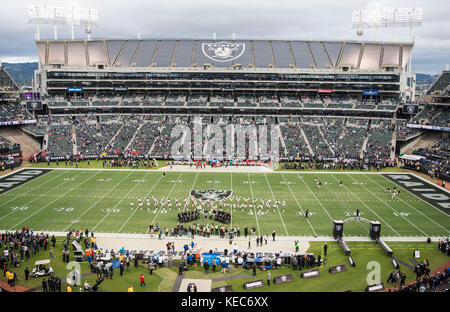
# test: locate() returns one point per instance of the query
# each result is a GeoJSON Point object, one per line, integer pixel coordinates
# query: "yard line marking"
{"type": "Point", "coordinates": [93, 205]}
{"type": "Point", "coordinates": [251, 191]}
{"type": "Point", "coordinates": [411, 205]}
{"type": "Point", "coordinates": [59, 197]}
{"type": "Point", "coordinates": [30, 191]}
{"type": "Point", "coordinates": [273, 196]}
{"type": "Point", "coordinates": [300, 206]}
{"type": "Point", "coordinates": [346, 208]}
{"type": "Point", "coordinates": [316, 198]}
{"type": "Point", "coordinates": [389, 206]}
{"type": "Point", "coordinates": [420, 199]}
{"type": "Point", "coordinates": [136, 208]}
{"type": "Point", "coordinates": [370, 208]}
{"type": "Point", "coordinates": [117, 204]}
{"type": "Point", "coordinates": [159, 210]}
{"type": "Point", "coordinates": [18, 188]}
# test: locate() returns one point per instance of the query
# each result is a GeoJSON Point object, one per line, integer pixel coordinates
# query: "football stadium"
{"type": "Point", "coordinates": [224, 165]}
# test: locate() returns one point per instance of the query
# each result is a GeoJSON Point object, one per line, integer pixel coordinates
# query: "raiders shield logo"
{"type": "Point", "coordinates": [338, 227]}
{"type": "Point", "coordinates": [223, 51]}
{"type": "Point", "coordinates": [210, 194]}
{"type": "Point", "coordinates": [34, 105]}
{"type": "Point", "coordinates": [410, 108]}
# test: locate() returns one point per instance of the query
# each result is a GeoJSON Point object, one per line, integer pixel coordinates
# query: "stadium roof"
{"type": "Point", "coordinates": [224, 53]}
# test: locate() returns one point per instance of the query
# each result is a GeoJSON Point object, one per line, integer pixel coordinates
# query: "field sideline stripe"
{"type": "Point", "coordinates": [300, 206]}
{"type": "Point", "coordinates": [406, 191]}
{"type": "Point", "coordinates": [59, 197]}
{"type": "Point", "coordinates": [28, 192]}
{"type": "Point", "coordinates": [159, 210]}
{"type": "Point", "coordinates": [92, 206]}
{"type": "Point", "coordinates": [251, 191]}
{"type": "Point", "coordinates": [117, 204]}
{"type": "Point", "coordinates": [418, 196]}
{"type": "Point", "coordinates": [209, 170]}
{"type": "Point", "coordinates": [371, 209]}
{"type": "Point", "coordinates": [129, 218]}
{"type": "Point", "coordinates": [389, 206]}
{"type": "Point", "coordinates": [273, 196]}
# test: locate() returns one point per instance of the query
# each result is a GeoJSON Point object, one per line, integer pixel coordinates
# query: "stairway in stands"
{"type": "Point", "coordinates": [28, 144]}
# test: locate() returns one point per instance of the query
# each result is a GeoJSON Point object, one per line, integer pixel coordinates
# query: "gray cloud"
{"type": "Point", "coordinates": [250, 19]}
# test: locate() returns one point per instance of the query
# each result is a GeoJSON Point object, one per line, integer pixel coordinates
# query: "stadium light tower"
{"type": "Point", "coordinates": [387, 18]}
{"type": "Point", "coordinates": [72, 16]}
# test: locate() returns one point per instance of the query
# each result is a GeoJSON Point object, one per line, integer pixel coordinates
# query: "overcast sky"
{"type": "Point", "coordinates": [249, 19]}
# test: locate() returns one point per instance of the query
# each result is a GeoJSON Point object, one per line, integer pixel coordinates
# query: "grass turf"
{"type": "Point", "coordinates": [162, 279]}
{"type": "Point", "coordinates": [100, 201]}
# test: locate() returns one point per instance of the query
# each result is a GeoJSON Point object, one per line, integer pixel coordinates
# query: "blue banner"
{"type": "Point", "coordinates": [74, 89]}
{"type": "Point", "coordinates": [210, 257]}
{"type": "Point", "coordinates": [370, 92]}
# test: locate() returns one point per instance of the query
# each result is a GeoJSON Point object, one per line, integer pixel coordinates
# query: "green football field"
{"type": "Point", "coordinates": [100, 201]}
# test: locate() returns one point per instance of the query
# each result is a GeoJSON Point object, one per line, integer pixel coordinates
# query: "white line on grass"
{"type": "Point", "coordinates": [389, 206]}
{"type": "Point", "coordinates": [59, 197]}
{"type": "Point", "coordinates": [93, 205]}
{"type": "Point", "coordinates": [369, 208]}
{"type": "Point", "coordinates": [117, 204]}
{"type": "Point", "coordinates": [418, 211]}
{"type": "Point", "coordinates": [300, 206]}
{"type": "Point", "coordinates": [18, 187]}
{"type": "Point", "coordinates": [251, 191]}
{"type": "Point", "coordinates": [28, 192]}
{"type": "Point", "coordinates": [129, 218]}
{"type": "Point", "coordinates": [346, 208]}
{"type": "Point", "coordinates": [331, 218]}
{"type": "Point", "coordinates": [159, 210]}
{"type": "Point", "coordinates": [273, 196]}
{"type": "Point", "coordinates": [445, 214]}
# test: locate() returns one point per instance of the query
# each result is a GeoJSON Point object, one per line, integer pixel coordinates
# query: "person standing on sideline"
{"type": "Point", "coordinates": [206, 266]}
{"type": "Point", "coordinates": [142, 280]}
{"type": "Point", "coordinates": [254, 268]}
{"type": "Point", "coordinates": [273, 235]}
{"type": "Point", "coordinates": [325, 248]}
{"type": "Point", "coordinates": [268, 277]}
{"type": "Point", "coordinates": [27, 273]}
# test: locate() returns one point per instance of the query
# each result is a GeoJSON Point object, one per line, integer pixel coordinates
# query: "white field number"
{"type": "Point", "coordinates": [289, 182]}
{"type": "Point", "coordinates": [139, 181]}
{"type": "Point", "coordinates": [352, 214]}
{"type": "Point", "coordinates": [401, 214]}
{"type": "Point", "coordinates": [176, 181]}
{"type": "Point", "coordinates": [19, 208]}
{"type": "Point", "coordinates": [104, 180]}
{"type": "Point", "coordinates": [68, 179]}
{"type": "Point", "coordinates": [253, 182]}
{"type": "Point", "coordinates": [64, 209]}
{"type": "Point", "coordinates": [301, 214]}
{"type": "Point", "coordinates": [109, 210]}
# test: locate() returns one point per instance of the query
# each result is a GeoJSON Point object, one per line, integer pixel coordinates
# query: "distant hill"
{"type": "Point", "coordinates": [425, 79]}
{"type": "Point", "coordinates": [22, 73]}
